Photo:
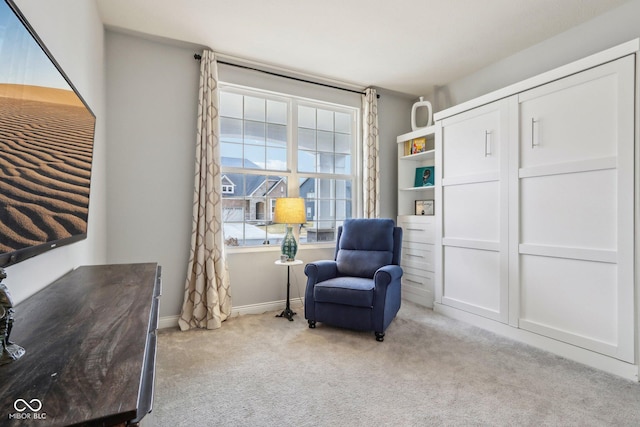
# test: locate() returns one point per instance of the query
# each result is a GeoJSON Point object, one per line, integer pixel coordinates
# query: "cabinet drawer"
{"type": "Point", "coordinates": [418, 255]}
{"type": "Point", "coordinates": [419, 229]}
{"type": "Point", "coordinates": [418, 279]}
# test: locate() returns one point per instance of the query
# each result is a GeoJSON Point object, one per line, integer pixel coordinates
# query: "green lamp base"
{"type": "Point", "coordinates": [289, 246]}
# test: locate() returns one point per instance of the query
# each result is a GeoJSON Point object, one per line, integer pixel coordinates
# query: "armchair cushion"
{"type": "Point", "coordinates": [354, 291]}
{"type": "Point", "coordinates": [361, 263]}
{"type": "Point", "coordinates": [363, 249]}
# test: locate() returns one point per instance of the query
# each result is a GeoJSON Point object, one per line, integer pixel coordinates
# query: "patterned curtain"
{"type": "Point", "coordinates": [371, 162]}
{"type": "Point", "coordinates": [207, 302]}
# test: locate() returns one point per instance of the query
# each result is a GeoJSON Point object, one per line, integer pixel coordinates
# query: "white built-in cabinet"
{"type": "Point", "coordinates": [418, 254]}
{"type": "Point", "coordinates": [537, 195]}
{"type": "Point", "coordinates": [474, 189]}
{"type": "Point", "coordinates": [573, 195]}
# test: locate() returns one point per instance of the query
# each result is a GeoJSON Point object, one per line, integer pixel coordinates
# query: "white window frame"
{"type": "Point", "coordinates": [292, 175]}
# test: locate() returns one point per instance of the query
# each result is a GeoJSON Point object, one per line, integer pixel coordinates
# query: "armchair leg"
{"type": "Point", "coordinates": [379, 336]}
{"type": "Point", "coordinates": [312, 324]}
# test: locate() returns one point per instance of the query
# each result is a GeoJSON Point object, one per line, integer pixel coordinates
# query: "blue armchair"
{"type": "Point", "coordinates": [360, 288]}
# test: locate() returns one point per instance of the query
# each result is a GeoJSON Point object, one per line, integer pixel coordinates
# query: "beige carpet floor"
{"type": "Point", "coordinates": [259, 370]}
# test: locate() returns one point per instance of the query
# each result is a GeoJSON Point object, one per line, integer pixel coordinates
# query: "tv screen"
{"type": "Point", "coordinates": [46, 146]}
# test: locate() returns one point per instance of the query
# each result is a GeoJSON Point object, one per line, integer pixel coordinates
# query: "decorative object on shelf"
{"type": "Point", "coordinates": [289, 210]}
{"type": "Point", "coordinates": [424, 207]}
{"type": "Point", "coordinates": [424, 176]}
{"type": "Point", "coordinates": [8, 350]}
{"type": "Point", "coordinates": [418, 145]}
{"type": "Point", "coordinates": [414, 110]}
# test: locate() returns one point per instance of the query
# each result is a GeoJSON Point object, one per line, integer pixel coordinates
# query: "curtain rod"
{"type": "Point", "coordinates": [198, 57]}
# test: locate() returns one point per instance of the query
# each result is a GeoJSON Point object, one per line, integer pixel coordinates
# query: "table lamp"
{"type": "Point", "coordinates": [289, 210]}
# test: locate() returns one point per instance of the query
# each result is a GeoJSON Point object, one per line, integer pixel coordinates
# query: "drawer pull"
{"type": "Point", "coordinates": [533, 124]}
{"type": "Point", "coordinates": [416, 255]}
{"type": "Point", "coordinates": [413, 281]}
{"type": "Point", "coordinates": [416, 229]}
{"type": "Point", "coordinates": [487, 145]}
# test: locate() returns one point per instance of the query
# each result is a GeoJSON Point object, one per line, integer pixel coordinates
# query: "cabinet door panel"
{"type": "Point", "coordinates": [572, 119]}
{"type": "Point", "coordinates": [571, 300]}
{"type": "Point", "coordinates": [472, 211]}
{"type": "Point", "coordinates": [472, 281]}
{"type": "Point", "coordinates": [471, 143]}
{"type": "Point", "coordinates": [583, 214]}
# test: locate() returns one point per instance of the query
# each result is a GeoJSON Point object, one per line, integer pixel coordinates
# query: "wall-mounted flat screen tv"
{"type": "Point", "coordinates": [46, 146]}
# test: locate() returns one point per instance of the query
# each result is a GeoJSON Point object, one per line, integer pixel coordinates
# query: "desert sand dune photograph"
{"type": "Point", "coordinates": [46, 137]}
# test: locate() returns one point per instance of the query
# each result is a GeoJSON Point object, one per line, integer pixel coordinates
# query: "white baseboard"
{"type": "Point", "coordinates": [419, 296]}
{"type": "Point", "coordinates": [568, 351]}
{"type": "Point", "coordinates": [167, 322]}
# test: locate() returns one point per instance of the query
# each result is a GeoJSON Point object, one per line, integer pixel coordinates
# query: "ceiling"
{"type": "Point", "coordinates": [407, 46]}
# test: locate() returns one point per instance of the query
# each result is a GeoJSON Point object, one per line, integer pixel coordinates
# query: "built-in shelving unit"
{"type": "Point", "coordinates": [419, 230]}
{"type": "Point", "coordinates": [408, 192]}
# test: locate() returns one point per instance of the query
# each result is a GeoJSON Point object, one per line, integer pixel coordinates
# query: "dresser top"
{"type": "Point", "coordinates": [85, 338]}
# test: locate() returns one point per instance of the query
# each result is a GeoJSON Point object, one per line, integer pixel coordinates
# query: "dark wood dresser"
{"type": "Point", "coordinates": [90, 341]}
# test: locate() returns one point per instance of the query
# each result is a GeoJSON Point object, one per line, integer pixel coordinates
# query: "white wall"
{"type": "Point", "coordinates": [612, 28]}
{"type": "Point", "coordinates": [152, 102]}
{"type": "Point", "coordinates": [73, 33]}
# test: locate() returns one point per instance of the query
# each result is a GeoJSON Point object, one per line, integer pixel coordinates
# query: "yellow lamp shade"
{"type": "Point", "coordinates": [290, 210]}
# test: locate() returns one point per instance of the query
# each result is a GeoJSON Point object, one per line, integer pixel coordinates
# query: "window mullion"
{"type": "Point", "coordinates": [294, 190]}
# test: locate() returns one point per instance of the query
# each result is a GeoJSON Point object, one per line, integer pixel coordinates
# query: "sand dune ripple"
{"type": "Point", "coordinates": [45, 170]}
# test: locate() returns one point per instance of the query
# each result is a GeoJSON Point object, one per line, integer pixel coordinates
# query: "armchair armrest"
{"type": "Point", "coordinates": [320, 271]}
{"type": "Point", "coordinates": [387, 295]}
{"type": "Point", "coordinates": [316, 272]}
{"type": "Point", "coordinates": [387, 274]}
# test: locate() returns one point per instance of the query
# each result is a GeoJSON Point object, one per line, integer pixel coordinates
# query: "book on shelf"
{"type": "Point", "coordinates": [418, 145]}
{"type": "Point", "coordinates": [424, 176]}
{"type": "Point", "coordinates": [408, 146]}
{"type": "Point", "coordinates": [415, 146]}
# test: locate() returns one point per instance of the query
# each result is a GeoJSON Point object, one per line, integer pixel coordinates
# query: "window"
{"type": "Point", "coordinates": [227, 185]}
{"type": "Point", "coordinates": [274, 146]}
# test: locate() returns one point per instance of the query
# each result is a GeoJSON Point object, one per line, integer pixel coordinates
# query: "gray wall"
{"type": "Point", "coordinates": [152, 105]}
{"type": "Point", "coordinates": [79, 50]}
{"type": "Point", "coordinates": [394, 115]}
{"type": "Point", "coordinates": [144, 199]}
{"type": "Point", "coordinates": [612, 28]}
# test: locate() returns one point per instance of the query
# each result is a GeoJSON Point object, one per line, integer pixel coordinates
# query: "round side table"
{"type": "Point", "coordinates": [287, 312]}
